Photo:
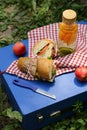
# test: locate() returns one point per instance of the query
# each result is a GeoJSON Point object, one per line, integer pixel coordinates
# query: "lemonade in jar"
{"type": "Point", "coordinates": [67, 35]}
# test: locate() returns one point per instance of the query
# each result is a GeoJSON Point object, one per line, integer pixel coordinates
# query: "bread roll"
{"type": "Point", "coordinates": [27, 65]}
{"type": "Point", "coordinates": [44, 48]}
{"type": "Point", "coordinates": [42, 68]}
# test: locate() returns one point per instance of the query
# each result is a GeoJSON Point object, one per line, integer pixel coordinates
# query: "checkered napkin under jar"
{"type": "Point", "coordinates": [64, 64]}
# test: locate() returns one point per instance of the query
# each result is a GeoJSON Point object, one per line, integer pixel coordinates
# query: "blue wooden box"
{"type": "Point", "coordinates": [37, 110]}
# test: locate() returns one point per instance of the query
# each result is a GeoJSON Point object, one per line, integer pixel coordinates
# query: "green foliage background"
{"type": "Point", "coordinates": [17, 17]}
{"type": "Point", "coordinates": [29, 14]}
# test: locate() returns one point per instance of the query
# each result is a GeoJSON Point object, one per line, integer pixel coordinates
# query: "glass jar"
{"type": "Point", "coordinates": [68, 29]}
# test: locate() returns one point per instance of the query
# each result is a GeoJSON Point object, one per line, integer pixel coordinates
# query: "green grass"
{"type": "Point", "coordinates": [17, 17]}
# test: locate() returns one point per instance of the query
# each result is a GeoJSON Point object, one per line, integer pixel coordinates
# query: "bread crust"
{"type": "Point", "coordinates": [27, 65]}
{"type": "Point", "coordinates": [44, 68]}
{"type": "Point", "coordinates": [23, 64]}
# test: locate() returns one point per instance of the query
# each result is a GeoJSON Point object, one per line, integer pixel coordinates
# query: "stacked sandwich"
{"type": "Point", "coordinates": [41, 67]}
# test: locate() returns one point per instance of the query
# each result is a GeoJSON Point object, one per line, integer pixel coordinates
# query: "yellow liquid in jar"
{"type": "Point", "coordinates": [67, 37]}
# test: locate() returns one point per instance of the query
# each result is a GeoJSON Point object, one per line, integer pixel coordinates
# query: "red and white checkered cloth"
{"type": "Point", "coordinates": [64, 64]}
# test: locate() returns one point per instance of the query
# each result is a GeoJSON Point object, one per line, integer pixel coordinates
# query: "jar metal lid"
{"type": "Point", "coordinates": [69, 16]}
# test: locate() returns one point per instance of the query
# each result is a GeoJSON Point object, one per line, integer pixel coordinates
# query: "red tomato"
{"type": "Point", "coordinates": [81, 73]}
{"type": "Point", "coordinates": [19, 48]}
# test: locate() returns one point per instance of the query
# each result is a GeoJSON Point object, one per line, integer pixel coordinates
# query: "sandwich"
{"type": "Point", "coordinates": [40, 68]}
{"type": "Point", "coordinates": [44, 48]}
